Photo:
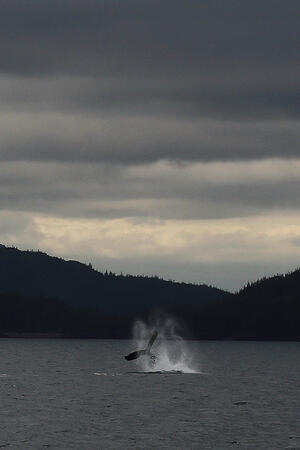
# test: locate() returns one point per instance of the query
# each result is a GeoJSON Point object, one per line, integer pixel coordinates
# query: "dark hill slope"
{"type": "Point", "coordinates": [268, 308]}
{"type": "Point", "coordinates": [37, 274]}
{"type": "Point", "coordinates": [39, 293]}
{"type": "Point", "coordinates": [23, 314]}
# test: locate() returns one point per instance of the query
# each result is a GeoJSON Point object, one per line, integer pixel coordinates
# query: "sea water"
{"type": "Point", "coordinates": [83, 394]}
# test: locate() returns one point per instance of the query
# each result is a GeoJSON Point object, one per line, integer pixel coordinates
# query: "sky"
{"type": "Point", "coordinates": [149, 137]}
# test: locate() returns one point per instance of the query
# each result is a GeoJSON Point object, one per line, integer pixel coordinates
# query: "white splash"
{"type": "Point", "coordinates": [171, 351]}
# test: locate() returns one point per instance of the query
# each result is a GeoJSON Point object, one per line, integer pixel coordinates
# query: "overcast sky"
{"type": "Point", "coordinates": [153, 137]}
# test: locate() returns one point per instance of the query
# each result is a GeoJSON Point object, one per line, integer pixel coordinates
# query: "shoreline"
{"type": "Point", "coordinates": [41, 335]}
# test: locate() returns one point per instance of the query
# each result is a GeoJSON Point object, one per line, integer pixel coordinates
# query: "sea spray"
{"type": "Point", "coordinates": [172, 353]}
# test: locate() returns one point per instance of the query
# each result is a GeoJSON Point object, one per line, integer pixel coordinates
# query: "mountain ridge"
{"type": "Point", "coordinates": [42, 293]}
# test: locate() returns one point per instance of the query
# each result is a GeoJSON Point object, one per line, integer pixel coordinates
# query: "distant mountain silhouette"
{"type": "Point", "coordinates": [269, 308]}
{"type": "Point", "coordinates": [44, 294]}
{"type": "Point", "coordinates": [89, 301]}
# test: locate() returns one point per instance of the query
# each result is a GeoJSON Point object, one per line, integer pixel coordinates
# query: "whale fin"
{"type": "Point", "coordinates": [146, 351]}
{"type": "Point", "coordinates": [135, 355]}
{"type": "Point", "coordinates": [151, 341]}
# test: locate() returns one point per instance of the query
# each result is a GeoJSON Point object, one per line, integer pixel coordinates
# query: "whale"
{"type": "Point", "coordinates": [146, 351]}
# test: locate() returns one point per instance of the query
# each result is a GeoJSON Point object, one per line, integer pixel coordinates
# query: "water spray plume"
{"type": "Point", "coordinates": [169, 352]}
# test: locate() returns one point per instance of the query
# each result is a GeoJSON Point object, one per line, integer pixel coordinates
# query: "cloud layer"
{"type": "Point", "coordinates": [153, 118]}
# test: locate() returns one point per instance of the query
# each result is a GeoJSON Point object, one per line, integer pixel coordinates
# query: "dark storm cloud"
{"type": "Point", "coordinates": [194, 56]}
{"type": "Point", "coordinates": [109, 191]}
{"type": "Point", "coordinates": [213, 58]}
{"type": "Point", "coordinates": [137, 35]}
{"type": "Point", "coordinates": [223, 95]}
{"type": "Point", "coordinates": [51, 136]}
{"type": "Point", "coordinates": [138, 81]}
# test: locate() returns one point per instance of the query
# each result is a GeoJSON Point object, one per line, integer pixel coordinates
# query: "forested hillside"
{"type": "Point", "coordinates": [44, 294]}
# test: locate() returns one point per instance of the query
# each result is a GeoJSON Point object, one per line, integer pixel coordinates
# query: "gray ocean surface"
{"type": "Point", "coordinates": [82, 394]}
